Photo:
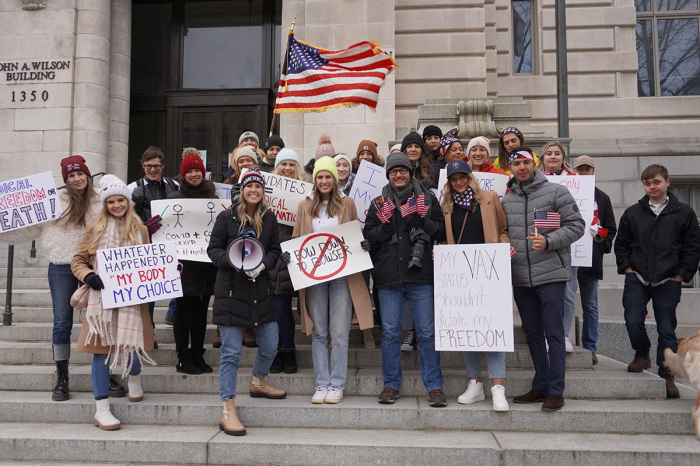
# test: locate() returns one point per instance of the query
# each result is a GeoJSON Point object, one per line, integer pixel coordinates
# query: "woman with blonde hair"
{"type": "Point", "coordinates": [124, 333]}
{"type": "Point", "coordinates": [475, 216]}
{"type": "Point", "coordinates": [553, 160]}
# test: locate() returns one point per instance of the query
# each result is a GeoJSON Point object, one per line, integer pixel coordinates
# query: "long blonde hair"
{"type": "Point", "coordinates": [564, 163]}
{"type": "Point", "coordinates": [297, 171]}
{"type": "Point", "coordinates": [78, 204]}
{"type": "Point", "coordinates": [448, 203]}
{"type": "Point", "coordinates": [256, 220]}
{"type": "Point", "coordinates": [334, 203]}
{"type": "Point", "coordinates": [130, 224]}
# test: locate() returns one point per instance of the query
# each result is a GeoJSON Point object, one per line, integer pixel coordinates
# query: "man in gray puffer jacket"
{"type": "Point", "coordinates": [540, 270]}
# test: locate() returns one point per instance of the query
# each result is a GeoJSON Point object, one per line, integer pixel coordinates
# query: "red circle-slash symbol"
{"type": "Point", "coordinates": [330, 237]}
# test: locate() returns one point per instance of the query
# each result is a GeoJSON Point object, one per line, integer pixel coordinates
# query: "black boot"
{"type": "Point", "coordinates": [201, 363]}
{"type": "Point", "coordinates": [277, 363]}
{"type": "Point", "coordinates": [186, 364]}
{"type": "Point", "coordinates": [60, 391]}
{"type": "Point", "coordinates": [289, 356]}
{"type": "Point", "coordinates": [115, 390]}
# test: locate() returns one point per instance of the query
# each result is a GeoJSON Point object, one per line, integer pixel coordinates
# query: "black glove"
{"type": "Point", "coordinates": [138, 195]}
{"type": "Point", "coordinates": [414, 221]}
{"type": "Point", "coordinates": [285, 258]}
{"type": "Point", "coordinates": [94, 281]}
{"type": "Point", "coordinates": [388, 228]}
{"type": "Point", "coordinates": [365, 245]}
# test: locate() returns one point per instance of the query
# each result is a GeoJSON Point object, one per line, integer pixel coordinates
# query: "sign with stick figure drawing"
{"type": "Point", "coordinates": [188, 223]}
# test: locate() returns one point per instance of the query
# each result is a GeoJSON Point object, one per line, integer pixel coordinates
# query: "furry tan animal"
{"type": "Point", "coordinates": [686, 364]}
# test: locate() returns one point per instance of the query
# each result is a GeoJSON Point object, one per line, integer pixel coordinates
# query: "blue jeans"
{"type": "Point", "coordinates": [100, 374]}
{"type": "Point", "coordinates": [541, 310]}
{"type": "Point", "coordinates": [231, 340]}
{"type": "Point", "coordinates": [496, 361]}
{"type": "Point", "coordinates": [570, 301]}
{"type": "Point", "coordinates": [391, 301]}
{"type": "Point", "coordinates": [62, 284]}
{"type": "Point", "coordinates": [285, 321]}
{"type": "Point", "coordinates": [330, 309]}
{"type": "Point", "coordinates": [664, 299]}
{"type": "Point", "coordinates": [171, 307]}
{"type": "Point", "coordinates": [589, 304]}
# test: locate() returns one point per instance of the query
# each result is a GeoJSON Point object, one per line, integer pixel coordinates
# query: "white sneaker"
{"type": "Point", "coordinates": [498, 394]}
{"type": "Point", "coordinates": [474, 393]}
{"type": "Point", "coordinates": [568, 345]}
{"type": "Point", "coordinates": [320, 395]}
{"type": "Point", "coordinates": [334, 395]}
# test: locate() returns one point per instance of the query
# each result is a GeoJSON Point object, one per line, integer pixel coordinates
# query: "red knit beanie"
{"type": "Point", "coordinates": [74, 163]}
{"type": "Point", "coordinates": [192, 162]}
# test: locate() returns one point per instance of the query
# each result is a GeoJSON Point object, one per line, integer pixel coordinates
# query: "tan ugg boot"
{"type": "Point", "coordinates": [229, 422]}
{"type": "Point", "coordinates": [259, 388]}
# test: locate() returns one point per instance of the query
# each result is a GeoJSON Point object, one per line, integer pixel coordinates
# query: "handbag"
{"type": "Point", "coordinates": [79, 300]}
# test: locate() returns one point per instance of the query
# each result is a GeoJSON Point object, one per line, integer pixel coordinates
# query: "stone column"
{"type": "Point", "coordinates": [119, 88]}
{"type": "Point", "coordinates": [91, 84]}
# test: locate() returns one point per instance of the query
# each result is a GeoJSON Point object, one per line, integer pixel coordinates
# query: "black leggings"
{"type": "Point", "coordinates": [190, 323]}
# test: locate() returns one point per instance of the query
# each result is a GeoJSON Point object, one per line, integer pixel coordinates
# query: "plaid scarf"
{"type": "Point", "coordinates": [122, 328]}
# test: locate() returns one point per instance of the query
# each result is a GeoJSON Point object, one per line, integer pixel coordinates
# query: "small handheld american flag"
{"type": "Point", "coordinates": [547, 219]}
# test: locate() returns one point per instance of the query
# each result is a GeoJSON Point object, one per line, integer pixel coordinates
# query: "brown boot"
{"type": "Point", "coordinates": [671, 389]}
{"type": "Point", "coordinates": [639, 364]}
{"type": "Point", "coordinates": [217, 340]}
{"type": "Point", "coordinates": [249, 337]}
{"type": "Point", "coordinates": [553, 403]}
{"type": "Point", "coordinates": [533, 396]}
{"type": "Point", "coordinates": [368, 338]}
{"type": "Point", "coordinates": [229, 422]}
{"type": "Point", "coordinates": [259, 388]}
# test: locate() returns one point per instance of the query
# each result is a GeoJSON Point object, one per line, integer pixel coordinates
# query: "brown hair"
{"type": "Point", "coordinates": [654, 169]}
{"type": "Point", "coordinates": [153, 152]}
{"type": "Point", "coordinates": [502, 152]}
{"type": "Point", "coordinates": [334, 203]}
{"type": "Point", "coordinates": [78, 204]}
{"type": "Point", "coordinates": [376, 159]}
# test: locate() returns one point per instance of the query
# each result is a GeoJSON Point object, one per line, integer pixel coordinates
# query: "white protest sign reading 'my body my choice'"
{"type": "Point", "coordinates": [188, 223]}
{"type": "Point", "coordinates": [326, 255]}
{"type": "Point", "coordinates": [138, 274]}
{"type": "Point", "coordinates": [473, 297]}
{"type": "Point", "coordinates": [582, 188]}
{"type": "Point", "coordinates": [28, 201]}
{"type": "Point", "coordinates": [369, 182]}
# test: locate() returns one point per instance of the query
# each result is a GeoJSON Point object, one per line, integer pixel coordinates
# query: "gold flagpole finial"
{"type": "Point", "coordinates": [294, 20]}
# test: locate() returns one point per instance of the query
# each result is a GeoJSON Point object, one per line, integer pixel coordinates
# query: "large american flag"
{"type": "Point", "coordinates": [314, 79]}
{"type": "Point", "coordinates": [546, 219]}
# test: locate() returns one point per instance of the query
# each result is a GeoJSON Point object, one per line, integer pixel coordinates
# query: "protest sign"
{"type": "Point", "coordinates": [369, 182]}
{"type": "Point", "coordinates": [138, 274]}
{"type": "Point", "coordinates": [223, 191]}
{"type": "Point", "coordinates": [582, 188]}
{"type": "Point", "coordinates": [473, 297]}
{"type": "Point", "coordinates": [283, 196]}
{"type": "Point", "coordinates": [28, 201]}
{"type": "Point", "coordinates": [326, 255]}
{"type": "Point", "coordinates": [188, 223]}
{"type": "Point", "coordinates": [487, 181]}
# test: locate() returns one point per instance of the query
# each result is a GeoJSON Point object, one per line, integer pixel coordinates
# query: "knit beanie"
{"type": "Point", "coordinates": [192, 162]}
{"type": "Point", "coordinates": [398, 159]}
{"type": "Point", "coordinates": [446, 142]}
{"type": "Point", "coordinates": [479, 141]}
{"type": "Point", "coordinates": [274, 140]}
{"type": "Point", "coordinates": [411, 138]}
{"type": "Point", "coordinates": [367, 145]}
{"type": "Point", "coordinates": [74, 163]}
{"type": "Point", "coordinates": [110, 185]}
{"type": "Point", "coordinates": [252, 176]}
{"type": "Point", "coordinates": [248, 134]}
{"type": "Point", "coordinates": [395, 148]}
{"type": "Point", "coordinates": [324, 147]}
{"type": "Point", "coordinates": [246, 151]}
{"type": "Point", "coordinates": [327, 164]}
{"type": "Point", "coordinates": [431, 130]}
{"type": "Point", "coordinates": [342, 156]}
{"type": "Point", "coordinates": [287, 154]}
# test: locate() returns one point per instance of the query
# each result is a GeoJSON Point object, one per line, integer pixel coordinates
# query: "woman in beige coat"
{"type": "Point", "coordinates": [124, 333]}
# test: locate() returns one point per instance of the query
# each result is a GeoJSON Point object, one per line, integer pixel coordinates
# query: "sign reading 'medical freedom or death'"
{"type": "Point", "coordinates": [28, 201]}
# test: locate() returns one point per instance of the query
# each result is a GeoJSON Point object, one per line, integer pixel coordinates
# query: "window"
{"type": "Point", "coordinates": [688, 193]}
{"type": "Point", "coordinates": [668, 50]}
{"type": "Point", "coordinates": [522, 36]}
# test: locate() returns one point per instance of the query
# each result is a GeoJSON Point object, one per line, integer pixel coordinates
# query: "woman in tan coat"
{"type": "Point", "coordinates": [124, 333]}
{"type": "Point", "coordinates": [326, 308]}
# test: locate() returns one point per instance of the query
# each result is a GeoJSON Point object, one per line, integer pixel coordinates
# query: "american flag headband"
{"type": "Point", "coordinates": [512, 130]}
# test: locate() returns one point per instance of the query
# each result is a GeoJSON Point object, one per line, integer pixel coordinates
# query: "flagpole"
{"type": "Point", "coordinates": [535, 210]}
{"type": "Point", "coordinates": [286, 53]}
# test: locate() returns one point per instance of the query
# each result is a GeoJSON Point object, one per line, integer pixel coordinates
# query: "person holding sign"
{"type": "Point", "coordinates": [366, 150]}
{"type": "Point", "coordinates": [242, 299]}
{"type": "Point", "coordinates": [401, 226]}
{"type": "Point", "coordinates": [326, 308]}
{"type": "Point", "coordinates": [125, 333]}
{"type": "Point", "coordinates": [479, 156]}
{"type": "Point", "coordinates": [190, 324]}
{"type": "Point", "coordinates": [543, 221]}
{"type": "Point", "coordinates": [474, 216]}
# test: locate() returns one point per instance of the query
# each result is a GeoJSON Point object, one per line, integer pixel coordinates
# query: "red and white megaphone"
{"type": "Point", "coordinates": [246, 253]}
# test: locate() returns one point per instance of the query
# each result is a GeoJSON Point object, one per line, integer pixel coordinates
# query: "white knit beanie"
{"type": "Point", "coordinates": [110, 185]}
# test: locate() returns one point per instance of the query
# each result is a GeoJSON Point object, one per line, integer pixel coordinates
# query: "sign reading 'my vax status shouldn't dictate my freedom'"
{"type": "Point", "coordinates": [138, 274]}
{"type": "Point", "coordinates": [368, 184]}
{"type": "Point", "coordinates": [326, 255]}
{"type": "Point", "coordinates": [188, 223]}
{"type": "Point", "coordinates": [473, 297]}
{"type": "Point", "coordinates": [28, 201]}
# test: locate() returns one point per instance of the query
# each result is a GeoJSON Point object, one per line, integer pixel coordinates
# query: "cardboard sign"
{"type": "Point", "coordinates": [188, 223]}
{"type": "Point", "coordinates": [473, 297]}
{"type": "Point", "coordinates": [369, 182]}
{"type": "Point", "coordinates": [487, 181]}
{"type": "Point", "coordinates": [138, 274]}
{"type": "Point", "coordinates": [582, 188]}
{"type": "Point", "coordinates": [326, 255]}
{"type": "Point", "coordinates": [28, 201]}
{"type": "Point", "coordinates": [283, 196]}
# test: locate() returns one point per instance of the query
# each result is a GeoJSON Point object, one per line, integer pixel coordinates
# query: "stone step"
{"type": "Point", "coordinates": [607, 380]}
{"type": "Point", "coordinates": [40, 353]}
{"type": "Point", "coordinates": [363, 412]}
{"type": "Point", "coordinates": [20, 273]}
{"type": "Point", "coordinates": [28, 297]}
{"type": "Point", "coordinates": [207, 445]}
{"type": "Point", "coordinates": [26, 283]}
